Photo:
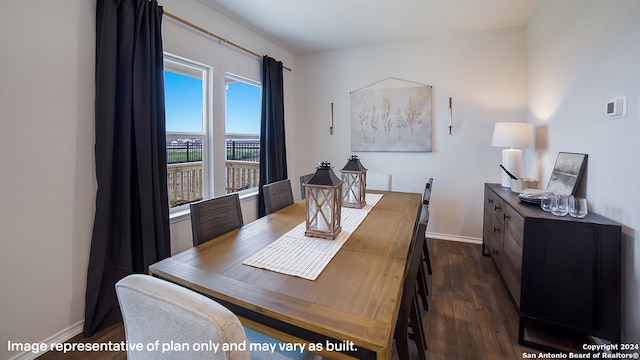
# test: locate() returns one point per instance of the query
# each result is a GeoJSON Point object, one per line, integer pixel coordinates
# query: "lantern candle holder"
{"type": "Point", "coordinates": [354, 177]}
{"type": "Point", "coordinates": [324, 203]}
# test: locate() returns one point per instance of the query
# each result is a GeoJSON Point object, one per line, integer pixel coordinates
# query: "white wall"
{"type": "Point", "coordinates": [47, 177]}
{"type": "Point", "coordinates": [484, 73]}
{"type": "Point", "coordinates": [582, 53]}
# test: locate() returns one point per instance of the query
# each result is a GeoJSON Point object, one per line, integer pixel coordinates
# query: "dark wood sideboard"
{"type": "Point", "coordinates": [559, 271]}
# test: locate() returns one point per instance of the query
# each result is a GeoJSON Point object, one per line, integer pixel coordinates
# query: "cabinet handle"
{"type": "Point", "coordinates": [490, 201]}
{"type": "Point", "coordinates": [505, 217]}
{"type": "Point", "coordinates": [495, 229]}
{"type": "Point", "coordinates": [495, 252]}
{"type": "Point", "coordinates": [496, 208]}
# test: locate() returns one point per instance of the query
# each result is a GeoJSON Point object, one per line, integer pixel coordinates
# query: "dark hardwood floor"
{"type": "Point", "coordinates": [470, 315]}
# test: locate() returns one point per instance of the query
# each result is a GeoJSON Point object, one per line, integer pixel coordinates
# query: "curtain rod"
{"type": "Point", "coordinates": [219, 38]}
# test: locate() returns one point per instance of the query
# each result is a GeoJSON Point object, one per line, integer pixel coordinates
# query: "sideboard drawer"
{"type": "Point", "coordinates": [493, 204]}
{"type": "Point", "coordinates": [493, 233]}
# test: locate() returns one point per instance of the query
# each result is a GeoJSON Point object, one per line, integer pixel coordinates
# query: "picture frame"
{"type": "Point", "coordinates": [392, 119]}
{"type": "Point", "coordinates": [567, 172]}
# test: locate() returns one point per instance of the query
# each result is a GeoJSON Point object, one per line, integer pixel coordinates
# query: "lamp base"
{"type": "Point", "coordinates": [512, 161]}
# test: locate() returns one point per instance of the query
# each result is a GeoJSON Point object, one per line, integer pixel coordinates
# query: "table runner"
{"type": "Point", "coordinates": [306, 257]}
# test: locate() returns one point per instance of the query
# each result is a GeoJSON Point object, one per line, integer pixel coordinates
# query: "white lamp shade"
{"type": "Point", "coordinates": [512, 135]}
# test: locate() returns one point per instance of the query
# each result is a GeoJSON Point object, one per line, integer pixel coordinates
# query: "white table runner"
{"type": "Point", "coordinates": [306, 257]}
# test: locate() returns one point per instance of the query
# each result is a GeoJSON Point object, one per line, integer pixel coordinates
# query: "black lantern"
{"type": "Point", "coordinates": [324, 203]}
{"type": "Point", "coordinates": [354, 176]}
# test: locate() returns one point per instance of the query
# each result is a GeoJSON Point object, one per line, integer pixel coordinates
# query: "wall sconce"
{"type": "Point", "coordinates": [331, 124]}
{"type": "Point", "coordinates": [512, 135]}
{"type": "Point", "coordinates": [324, 203]}
{"type": "Point", "coordinates": [450, 115]}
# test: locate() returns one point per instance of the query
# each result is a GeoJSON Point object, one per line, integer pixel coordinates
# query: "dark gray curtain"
{"type": "Point", "coordinates": [273, 153]}
{"type": "Point", "coordinates": [131, 223]}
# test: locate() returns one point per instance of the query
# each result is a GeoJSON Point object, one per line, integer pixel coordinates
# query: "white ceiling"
{"type": "Point", "coordinates": [309, 26]}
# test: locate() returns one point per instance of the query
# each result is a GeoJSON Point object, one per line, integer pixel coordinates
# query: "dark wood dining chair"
{"type": "Point", "coordinates": [214, 217]}
{"type": "Point", "coordinates": [277, 195]}
{"type": "Point", "coordinates": [303, 180]}
{"type": "Point", "coordinates": [409, 317]}
{"type": "Point", "coordinates": [424, 277]}
{"type": "Point", "coordinates": [426, 198]}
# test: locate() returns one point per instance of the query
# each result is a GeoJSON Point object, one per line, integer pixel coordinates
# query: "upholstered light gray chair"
{"type": "Point", "coordinates": [157, 311]}
{"type": "Point", "coordinates": [277, 195]}
{"type": "Point", "coordinates": [214, 217]}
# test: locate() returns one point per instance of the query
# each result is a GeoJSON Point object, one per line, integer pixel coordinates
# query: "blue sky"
{"type": "Point", "coordinates": [243, 109]}
{"type": "Point", "coordinates": [183, 102]}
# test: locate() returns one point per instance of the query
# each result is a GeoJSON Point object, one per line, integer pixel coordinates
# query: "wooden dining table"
{"type": "Point", "coordinates": [349, 310]}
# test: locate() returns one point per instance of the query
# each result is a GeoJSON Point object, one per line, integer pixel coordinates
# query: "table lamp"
{"type": "Point", "coordinates": [512, 135]}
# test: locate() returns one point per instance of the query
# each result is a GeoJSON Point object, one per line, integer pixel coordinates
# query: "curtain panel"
{"type": "Point", "coordinates": [131, 223]}
{"type": "Point", "coordinates": [273, 152]}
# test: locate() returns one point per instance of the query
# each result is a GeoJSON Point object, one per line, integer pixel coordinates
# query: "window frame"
{"type": "Point", "coordinates": [188, 67]}
{"type": "Point", "coordinates": [228, 78]}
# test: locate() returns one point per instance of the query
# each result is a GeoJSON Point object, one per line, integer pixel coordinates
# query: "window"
{"type": "Point", "coordinates": [186, 111]}
{"type": "Point", "coordinates": [242, 133]}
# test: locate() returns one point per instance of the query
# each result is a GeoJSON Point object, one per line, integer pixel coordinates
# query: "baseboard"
{"type": "Point", "coordinates": [459, 238]}
{"type": "Point", "coordinates": [60, 337]}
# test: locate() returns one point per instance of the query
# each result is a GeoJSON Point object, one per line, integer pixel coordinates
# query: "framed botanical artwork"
{"type": "Point", "coordinates": [566, 173]}
{"type": "Point", "coordinates": [391, 119]}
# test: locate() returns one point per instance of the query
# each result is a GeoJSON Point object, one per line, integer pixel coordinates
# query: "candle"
{"type": "Point", "coordinates": [450, 112]}
{"type": "Point", "coordinates": [323, 223]}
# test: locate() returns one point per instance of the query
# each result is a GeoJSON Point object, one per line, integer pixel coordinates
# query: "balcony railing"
{"type": "Point", "coordinates": [184, 152]}
{"type": "Point", "coordinates": [238, 147]}
{"type": "Point", "coordinates": [241, 175]}
{"type": "Point", "coordinates": [184, 165]}
{"type": "Point", "coordinates": [185, 180]}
